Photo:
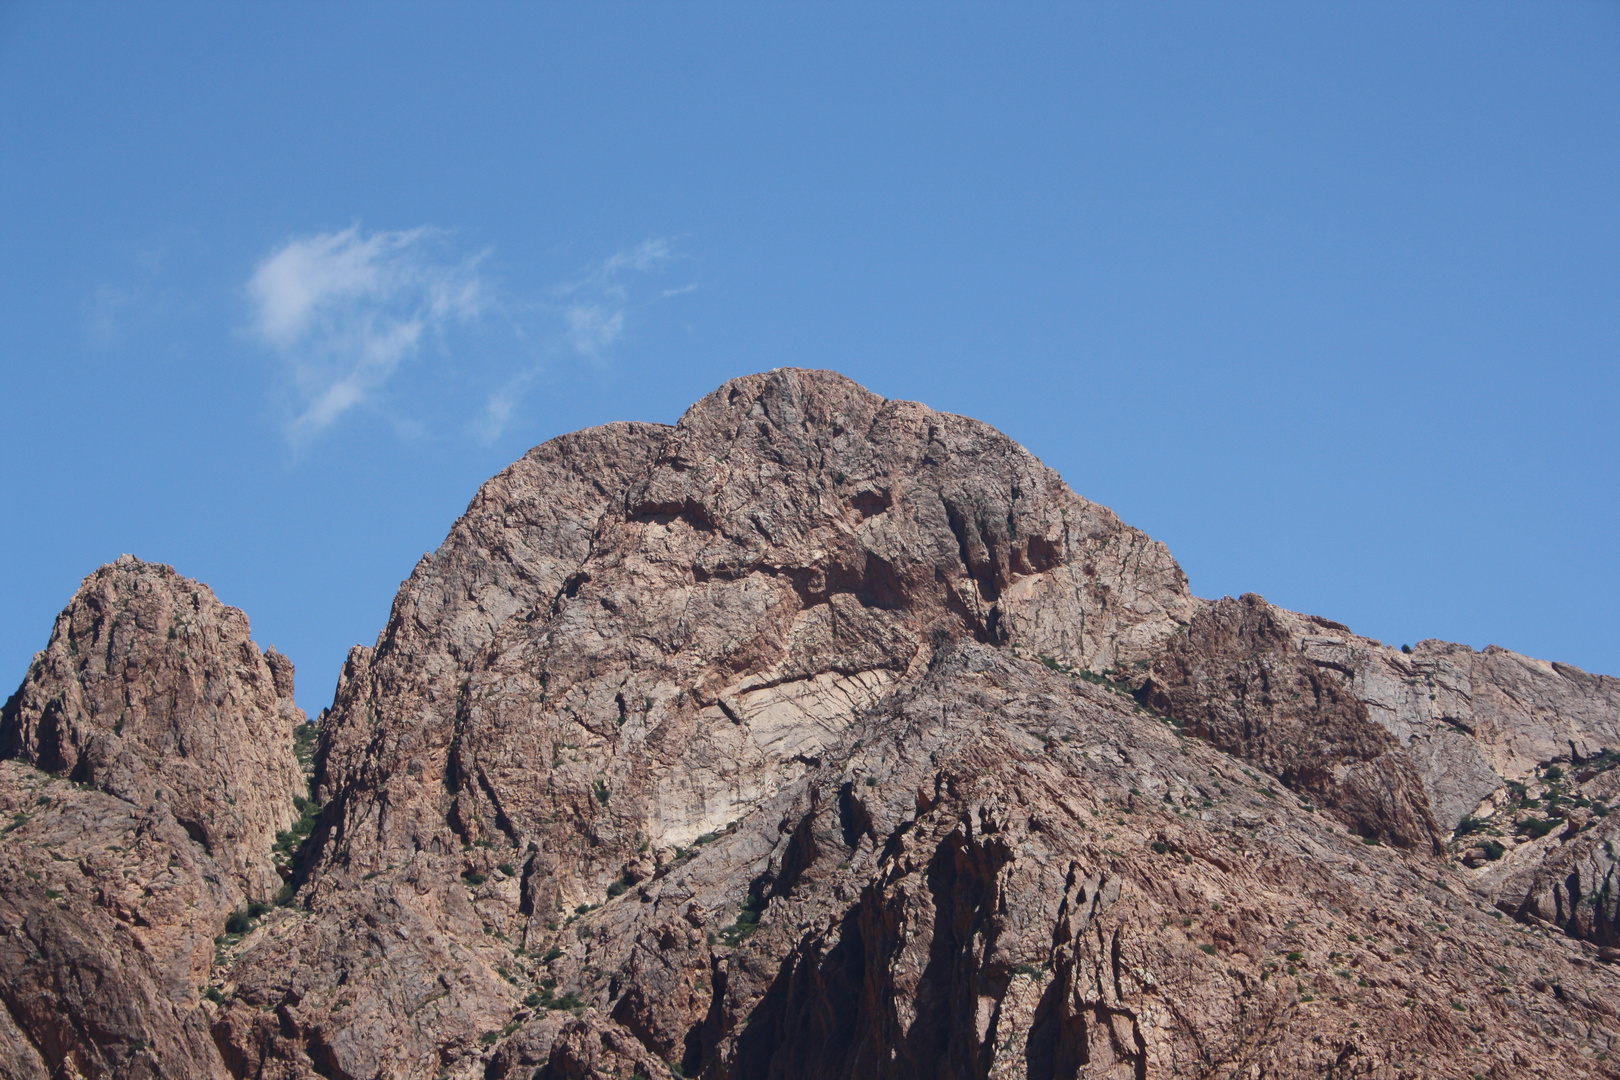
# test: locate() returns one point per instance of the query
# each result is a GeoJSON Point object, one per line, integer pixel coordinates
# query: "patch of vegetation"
{"type": "Point", "coordinates": [600, 789]}
{"type": "Point", "coordinates": [1160, 847]}
{"type": "Point", "coordinates": [290, 841]}
{"type": "Point", "coordinates": [473, 878]}
{"type": "Point", "coordinates": [304, 738]}
{"type": "Point", "coordinates": [545, 998]}
{"type": "Point", "coordinates": [1536, 828]}
{"type": "Point", "coordinates": [242, 920]}
{"type": "Point", "coordinates": [508, 869]}
{"type": "Point", "coordinates": [747, 921]}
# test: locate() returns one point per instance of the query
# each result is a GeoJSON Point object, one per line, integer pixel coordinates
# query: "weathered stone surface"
{"type": "Point", "coordinates": [151, 690]}
{"type": "Point", "coordinates": [1237, 679]}
{"type": "Point", "coordinates": [637, 635]}
{"type": "Point", "coordinates": [1472, 721]}
{"type": "Point", "coordinates": [153, 766]}
{"type": "Point", "coordinates": [108, 913]}
{"type": "Point", "coordinates": [640, 692]}
{"type": "Point", "coordinates": [1576, 887]}
{"type": "Point", "coordinates": [820, 735]}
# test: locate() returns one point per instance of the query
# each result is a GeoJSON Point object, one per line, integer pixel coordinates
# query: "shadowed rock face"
{"type": "Point", "coordinates": [152, 765]}
{"type": "Point", "coordinates": [824, 735]}
{"type": "Point", "coordinates": [1236, 679]}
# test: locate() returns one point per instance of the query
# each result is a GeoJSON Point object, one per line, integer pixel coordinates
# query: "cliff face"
{"type": "Point", "coordinates": [151, 766]}
{"type": "Point", "coordinates": [824, 735]}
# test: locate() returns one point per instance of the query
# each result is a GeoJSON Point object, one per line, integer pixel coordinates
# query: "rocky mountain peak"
{"type": "Point", "coordinates": [151, 690]}
{"type": "Point", "coordinates": [819, 734]}
{"type": "Point", "coordinates": [149, 768]}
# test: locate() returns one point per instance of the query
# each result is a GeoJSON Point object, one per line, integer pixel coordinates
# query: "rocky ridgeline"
{"type": "Point", "coordinates": [818, 735]}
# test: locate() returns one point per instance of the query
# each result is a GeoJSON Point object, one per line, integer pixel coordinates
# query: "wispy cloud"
{"type": "Point", "coordinates": [595, 306]}
{"type": "Point", "coordinates": [595, 310]}
{"type": "Point", "coordinates": [141, 301]}
{"type": "Point", "coordinates": [348, 312]}
{"type": "Point", "coordinates": [345, 309]}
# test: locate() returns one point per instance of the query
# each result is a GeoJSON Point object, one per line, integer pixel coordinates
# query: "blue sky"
{"type": "Point", "coordinates": [1326, 297]}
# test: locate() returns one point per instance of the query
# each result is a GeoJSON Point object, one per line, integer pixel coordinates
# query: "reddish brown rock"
{"type": "Point", "coordinates": [798, 740]}
{"type": "Point", "coordinates": [151, 690]}
{"type": "Point", "coordinates": [764, 741]}
{"type": "Point", "coordinates": [1236, 679]}
{"type": "Point", "coordinates": [153, 765]}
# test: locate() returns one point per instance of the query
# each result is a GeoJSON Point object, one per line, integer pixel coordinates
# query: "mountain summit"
{"type": "Point", "coordinates": [819, 735]}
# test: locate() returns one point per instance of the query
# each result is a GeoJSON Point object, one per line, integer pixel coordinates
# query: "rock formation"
{"type": "Point", "coordinates": [825, 735]}
{"type": "Point", "coordinates": [151, 766]}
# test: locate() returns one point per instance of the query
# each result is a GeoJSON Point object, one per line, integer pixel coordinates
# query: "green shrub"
{"type": "Point", "coordinates": [473, 878]}
{"type": "Point", "coordinates": [1536, 828]}
{"type": "Point", "coordinates": [747, 922]}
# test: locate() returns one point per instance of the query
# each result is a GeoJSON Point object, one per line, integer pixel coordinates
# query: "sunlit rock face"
{"type": "Point", "coordinates": [152, 767]}
{"type": "Point", "coordinates": [822, 735]}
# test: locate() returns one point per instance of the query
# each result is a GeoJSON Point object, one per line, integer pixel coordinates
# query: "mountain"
{"type": "Point", "coordinates": [817, 735]}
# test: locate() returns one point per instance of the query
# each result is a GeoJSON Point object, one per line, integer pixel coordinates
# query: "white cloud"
{"type": "Point", "coordinates": [344, 310]}
{"type": "Point", "coordinates": [596, 305]}
{"type": "Point", "coordinates": [596, 311]}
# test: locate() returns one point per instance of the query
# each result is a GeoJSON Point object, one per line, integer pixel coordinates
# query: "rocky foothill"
{"type": "Point", "coordinates": [819, 735]}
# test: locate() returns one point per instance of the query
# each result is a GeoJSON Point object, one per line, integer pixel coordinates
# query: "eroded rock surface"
{"type": "Point", "coordinates": [152, 691]}
{"type": "Point", "coordinates": [771, 744]}
{"type": "Point", "coordinates": [152, 766]}
{"type": "Point", "coordinates": [1237, 678]}
{"type": "Point", "coordinates": [823, 735]}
